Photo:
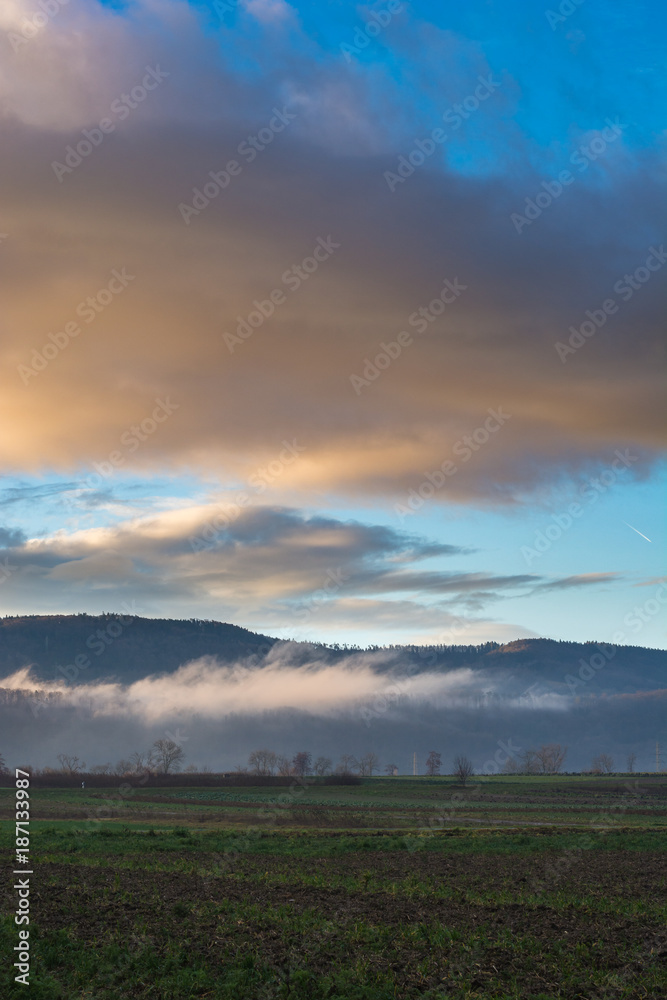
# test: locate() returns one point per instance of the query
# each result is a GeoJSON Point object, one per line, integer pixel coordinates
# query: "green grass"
{"type": "Point", "coordinates": [376, 804]}
{"type": "Point", "coordinates": [176, 906]}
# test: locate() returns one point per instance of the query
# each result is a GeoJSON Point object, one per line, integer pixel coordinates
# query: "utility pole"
{"type": "Point", "coordinates": [658, 757]}
{"type": "Point", "coordinates": [414, 764]}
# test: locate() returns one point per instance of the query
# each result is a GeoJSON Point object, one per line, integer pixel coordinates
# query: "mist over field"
{"type": "Point", "coordinates": [487, 702]}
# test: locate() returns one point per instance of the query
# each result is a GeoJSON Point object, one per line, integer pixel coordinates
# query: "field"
{"type": "Point", "coordinates": [394, 888]}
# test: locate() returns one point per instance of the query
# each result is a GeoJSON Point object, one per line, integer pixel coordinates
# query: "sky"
{"type": "Point", "coordinates": [336, 321]}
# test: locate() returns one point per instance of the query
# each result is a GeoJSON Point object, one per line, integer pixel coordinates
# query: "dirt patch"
{"type": "Point", "coordinates": [223, 917]}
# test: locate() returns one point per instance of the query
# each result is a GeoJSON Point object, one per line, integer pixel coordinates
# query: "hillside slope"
{"type": "Point", "coordinates": [120, 647]}
{"type": "Point", "coordinates": [128, 648]}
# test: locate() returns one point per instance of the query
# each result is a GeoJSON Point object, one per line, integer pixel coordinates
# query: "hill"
{"type": "Point", "coordinates": [86, 648]}
{"type": "Point", "coordinates": [119, 647]}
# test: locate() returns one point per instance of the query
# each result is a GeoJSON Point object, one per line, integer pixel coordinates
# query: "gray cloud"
{"type": "Point", "coordinates": [11, 538]}
{"type": "Point", "coordinates": [266, 563]}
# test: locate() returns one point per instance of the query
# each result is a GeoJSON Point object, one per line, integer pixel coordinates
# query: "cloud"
{"type": "Point", "coordinates": [14, 495]}
{"type": "Point", "coordinates": [493, 347]}
{"type": "Point", "coordinates": [268, 566]}
{"type": "Point", "coordinates": [296, 699]}
{"type": "Point", "coordinates": [212, 691]}
{"type": "Point", "coordinates": [388, 619]}
{"type": "Point", "coordinates": [269, 11]}
{"type": "Point", "coordinates": [579, 580]}
{"type": "Point", "coordinates": [11, 538]}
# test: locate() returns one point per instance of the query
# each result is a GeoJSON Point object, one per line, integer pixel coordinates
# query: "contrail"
{"type": "Point", "coordinates": [638, 532]}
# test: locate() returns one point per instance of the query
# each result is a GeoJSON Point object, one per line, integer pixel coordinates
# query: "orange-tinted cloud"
{"type": "Point", "coordinates": [68, 399]}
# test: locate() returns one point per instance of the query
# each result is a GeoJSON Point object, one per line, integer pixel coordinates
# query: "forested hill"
{"type": "Point", "coordinates": [124, 647]}
{"type": "Point", "coordinates": [85, 648]}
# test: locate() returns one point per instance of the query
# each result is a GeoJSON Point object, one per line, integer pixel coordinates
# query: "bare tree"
{"type": "Point", "coordinates": [529, 764]}
{"type": "Point", "coordinates": [302, 762]}
{"type": "Point", "coordinates": [283, 766]}
{"type": "Point", "coordinates": [602, 764]}
{"type": "Point", "coordinates": [123, 767]}
{"type": "Point", "coordinates": [71, 763]}
{"type": "Point", "coordinates": [167, 755]}
{"type": "Point", "coordinates": [511, 766]}
{"type": "Point", "coordinates": [347, 764]}
{"type": "Point", "coordinates": [550, 757]}
{"type": "Point", "coordinates": [140, 761]}
{"type": "Point", "coordinates": [631, 761]}
{"type": "Point", "coordinates": [391, 769]}
{"type": "Point", "coordinates": [433, 763]}
{"type": "Point", "coordinates": [263, 761]}
{"type": "Point", "coordinates": [559, 754]}
{"type": "Point", "coordinates": [463, 769]}
{"type": "Point", "coordinates": [322, 766]}
{"type": "Point", "coordinates": [368, 763]}
{"type": "Point", "coordinates": [3, 766]}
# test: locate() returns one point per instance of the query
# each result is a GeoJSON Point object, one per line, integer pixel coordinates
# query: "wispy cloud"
{"type": "Point", "coordinates": [269, 564]}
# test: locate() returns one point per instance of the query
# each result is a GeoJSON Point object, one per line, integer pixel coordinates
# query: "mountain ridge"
{"type": "Point", "coordinates": [125, 648]}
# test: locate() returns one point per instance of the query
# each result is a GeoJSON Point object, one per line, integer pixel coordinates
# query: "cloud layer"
{"type": "Point", "coordinates": [272, 566]}
{"type": "Point", "coordinates": [219, 713]}
{"type": "Point", "coordinates": [156, 335]}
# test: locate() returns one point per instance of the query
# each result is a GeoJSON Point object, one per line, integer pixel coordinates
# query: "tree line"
{"type": "Point", "coordinates": [165, 756]}
{"type": "Point", "coordinates": [162, 757]}
{"type": "Point", "coordinates": [266, 762]}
